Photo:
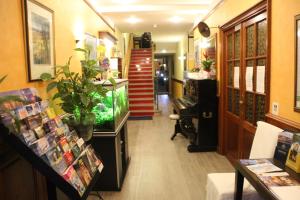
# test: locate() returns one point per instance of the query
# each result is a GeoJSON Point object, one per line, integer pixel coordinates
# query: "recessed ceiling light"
{"type": "Point", "coordinates": [133, 20]}
{"type": "Point", "coordinates": [164, 51]}
{"type": "Point", "coordinates": [176, 19]}
{"type": "Point", "coordinates": [154, 25]}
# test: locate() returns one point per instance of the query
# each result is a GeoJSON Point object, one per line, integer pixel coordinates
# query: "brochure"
{"type": "Point", "coordinates": [263, 168]}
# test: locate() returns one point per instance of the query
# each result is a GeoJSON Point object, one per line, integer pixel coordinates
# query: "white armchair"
{"type": "Point", "coordinates": [220, 186]}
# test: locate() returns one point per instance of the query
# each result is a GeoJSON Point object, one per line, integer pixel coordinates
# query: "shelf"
{"type": "Point", "coordinates": [40, 165]}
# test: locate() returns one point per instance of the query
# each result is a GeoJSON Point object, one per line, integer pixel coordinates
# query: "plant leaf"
{"type": "Point", "coordinates": [46, 76]}
{"type": "Point", "coordinates": [51, 86]}
{"type": "Point", "coordinates": [81, 49]}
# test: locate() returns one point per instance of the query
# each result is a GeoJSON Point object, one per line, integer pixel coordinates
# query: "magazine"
{"type": "Point", "coordinates": [263, 168]}
{"type": "Point", "coordinates": [253, 161]}
{"type": "Point", "coordinates": [278, 179]}
{"type": "Point", "coordinates": [82, 172]}
{"type": "Point", "coordinates": [72, 177]}
{"type": "Point", "coordinates": [56, 160]}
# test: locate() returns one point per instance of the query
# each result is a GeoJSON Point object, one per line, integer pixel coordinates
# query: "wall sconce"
{"type": "Point", "coordinates": [181, 58]}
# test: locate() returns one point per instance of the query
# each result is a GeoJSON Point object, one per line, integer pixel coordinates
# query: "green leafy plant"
{"type": "Point", "coordinates": [77, 92]}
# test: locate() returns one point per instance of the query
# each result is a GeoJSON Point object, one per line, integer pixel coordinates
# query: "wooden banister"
{"type": "Point", "coordinates": [128, 56]}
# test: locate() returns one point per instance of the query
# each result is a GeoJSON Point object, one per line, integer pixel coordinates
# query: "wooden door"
{"type": "Point", "coordinates": [245, 82]}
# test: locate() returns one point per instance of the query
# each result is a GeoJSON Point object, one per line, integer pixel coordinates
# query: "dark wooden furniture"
{"type": "Point", "coordinates": [112, 147]}
{"type": "Point", "coordinates": [198, 111]}
{"type": "Point", "coordinates": [246, 43]}
{"type": "Point", "coordinates": [53, 178]}
{"type": "Point", "coordinates": [243, 172]}
{"type": "Point", "coordinates": [19, 180]}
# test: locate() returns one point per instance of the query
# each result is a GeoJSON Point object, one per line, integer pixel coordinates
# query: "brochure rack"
{"type": "Point", "coordinates": [53, 178]}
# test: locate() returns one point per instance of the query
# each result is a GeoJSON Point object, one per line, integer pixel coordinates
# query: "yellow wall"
{"type": "Point", "coordinates": [226, 11]}
{"type": "Point", "coordinates": [282, 57]}
{"type": "Point", "coordinates": [182, 48]}
{"type": "Point", "coordinates": [69, 15]}
{"type": "Point", "coordinates": [282, 51]}
{"type": "Point", "coordinates": [177, 89]}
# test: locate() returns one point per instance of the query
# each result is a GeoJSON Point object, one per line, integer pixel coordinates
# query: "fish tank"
{"type": "Point", "coordinates": [113, 108]}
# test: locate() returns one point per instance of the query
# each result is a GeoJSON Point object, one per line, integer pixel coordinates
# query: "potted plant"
{"type": "Point", "coordinates": [207, 63]}
{"type": "Point", "coordinates": [78, 93]}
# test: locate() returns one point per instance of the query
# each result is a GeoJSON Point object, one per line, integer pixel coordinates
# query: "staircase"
{"type": "Point", "coordinates": [141, 87]}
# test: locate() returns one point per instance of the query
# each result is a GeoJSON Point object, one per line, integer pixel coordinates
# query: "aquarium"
{"type": "Point", "coordinates": [113, 108]}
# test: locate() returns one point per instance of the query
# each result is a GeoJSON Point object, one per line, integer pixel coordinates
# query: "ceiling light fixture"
{"type": "Point", "coordinates": [176, 19]}
{"type": "Point", "coordinates": [164, 51]}
{"type": "Point", "coordinates": [133, 20]}
{"type": "Point", "coordinates": [154, 25]}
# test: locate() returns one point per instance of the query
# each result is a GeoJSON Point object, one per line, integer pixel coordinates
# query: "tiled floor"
{"type": "Point", "coordinates": [161, 169]}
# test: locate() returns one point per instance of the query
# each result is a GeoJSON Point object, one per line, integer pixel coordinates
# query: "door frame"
{"type": "Point", "coordinates": [263, 6]}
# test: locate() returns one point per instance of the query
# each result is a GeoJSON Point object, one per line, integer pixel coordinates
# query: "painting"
{"type": "Point", "coordinates": [297, 63]}
{"type": "Point", "coordinates": [91, 44]}
{"type": "Point", "coordinates": [39, 26]}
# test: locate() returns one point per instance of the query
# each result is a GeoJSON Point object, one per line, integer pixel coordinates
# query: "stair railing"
{"type": "Point", "coordinates": [128, 56]}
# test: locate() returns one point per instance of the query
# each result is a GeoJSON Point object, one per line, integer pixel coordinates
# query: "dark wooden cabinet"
{"type": "Point", "coordinates": [112, 147]}
{"type": "Point", "coordinates": [18, 180]}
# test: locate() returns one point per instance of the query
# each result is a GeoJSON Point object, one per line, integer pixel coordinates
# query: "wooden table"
{"type": "Point", "coordinates": [242, 171]}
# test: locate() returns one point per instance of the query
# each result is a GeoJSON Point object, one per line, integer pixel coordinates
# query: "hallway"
{"type": "Point", "coordinates": [162, 169]}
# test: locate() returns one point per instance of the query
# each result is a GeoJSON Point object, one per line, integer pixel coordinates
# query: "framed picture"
{"type": "Point", "coordinates": [39, 29]}
{"type": "Point", "coordinates": [91, 44]}
{"type": "Point", "coordinates": [297, 63]}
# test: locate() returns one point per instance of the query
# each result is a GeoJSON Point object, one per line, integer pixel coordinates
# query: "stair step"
{"type": "Point", "coordinates": [141, 113]}
{"type": "Point", "coordinates": [141, 65]}
{"type": "Point", "coordinates": [143, 91]}
{"type": "Point", "coordinates": [141, 105]}
{"type": "Point", "coordinates": [146, 88]}
{"type": "Point", "coordinates": [139, 82]}
{"type": "Point", "coordinates": [140, 73]}
{"type": "Point", "coordinates": [138, 99]}
{"type": "Point", "coordinates": [142, 102]}
{"type": "Point", "coordinates": [139, 77]}
{"type": "Point", "coordinates": [141, 96]}
{"type": "Point", "coordinates": [134, 87]}
{"type": "Point", "coordinates": [140, 108]}
{"type": "Point", "coordinates": [140, 55]}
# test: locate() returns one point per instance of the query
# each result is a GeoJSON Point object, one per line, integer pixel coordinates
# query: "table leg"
{"type": "Point", "coordinates": [239, 183]}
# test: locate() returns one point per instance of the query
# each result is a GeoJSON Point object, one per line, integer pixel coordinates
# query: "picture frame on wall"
{"type": "Point", "coordinates": [91, 44]}
{"type": "Point", "coordinates": [39, 32]}
{"type": "Point", "coordinates": [297, 63]}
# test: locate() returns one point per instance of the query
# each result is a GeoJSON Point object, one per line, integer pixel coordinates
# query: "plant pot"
{"type": "Point", "coordinates": [84, 131]}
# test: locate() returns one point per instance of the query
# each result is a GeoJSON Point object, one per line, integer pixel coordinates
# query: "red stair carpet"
{"type": "Point", "coordinates": [141, 87]}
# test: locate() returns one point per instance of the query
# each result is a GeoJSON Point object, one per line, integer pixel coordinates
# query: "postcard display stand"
{"type": "Point", "coordinates": [41, 164]}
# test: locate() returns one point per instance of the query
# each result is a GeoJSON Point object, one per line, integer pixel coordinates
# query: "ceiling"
{"type": "Point", "coordinates": [172, 18]}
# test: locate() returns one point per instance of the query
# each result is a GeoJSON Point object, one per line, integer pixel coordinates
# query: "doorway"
{"type": "Point", "coordinates": [164, 63]}
{"type": "Point", "coordinates": [245, 86]}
